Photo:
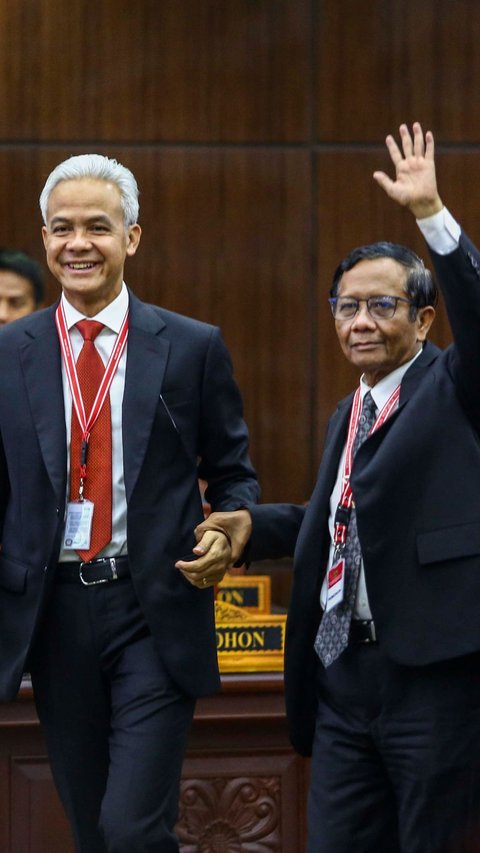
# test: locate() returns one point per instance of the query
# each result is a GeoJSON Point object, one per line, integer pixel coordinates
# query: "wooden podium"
{"type": "Point", "coordinates": [243, 787]}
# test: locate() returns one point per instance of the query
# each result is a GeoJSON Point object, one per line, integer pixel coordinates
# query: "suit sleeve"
{"type": "Point", "coordinates": [458, 275]}
{"type": "Point", "coordinates": [275, 530]}
{"type": "Point", "coordinates": [224, 460]}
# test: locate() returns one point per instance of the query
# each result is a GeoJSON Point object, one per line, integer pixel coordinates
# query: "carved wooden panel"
{"type": "Point", "coordinates": [248, 808]}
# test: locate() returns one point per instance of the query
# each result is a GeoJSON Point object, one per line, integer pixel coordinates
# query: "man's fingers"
{"type": "Point", "coordinates": [396, 155]}
{"type": "Point", "coordinates": [418, 140]}
{"type": "Point", "coordinates": [213, 559]}
{"type": "Point", "coordinates": [384, 181]}
{"type": "Point", "coordinates": [407, 143]}
{"type": "Point", "coordinates": [429, 146]}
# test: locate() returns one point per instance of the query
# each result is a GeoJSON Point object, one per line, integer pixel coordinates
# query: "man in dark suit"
{"type": "Point", "coordinates": [382, 666]}
{"type": "Point", "coordinates": [98, 502]}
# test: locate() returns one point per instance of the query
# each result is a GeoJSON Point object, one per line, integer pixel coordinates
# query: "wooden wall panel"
{"type": "Point", "coordinates": [154, 70]}
{"type": "Point", "coordinates": [227, 240]}
{"type": "Point", "coordinates": [381, 62]}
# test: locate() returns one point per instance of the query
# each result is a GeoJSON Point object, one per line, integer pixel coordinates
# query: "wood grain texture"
{"type": "Point", "coordinates": [382, 62]}
{"type": "Point", "coordinates": [154, 70]}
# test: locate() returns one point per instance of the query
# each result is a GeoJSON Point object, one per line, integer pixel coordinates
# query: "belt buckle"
{"type": "Point", "coordinates": [113, 569]}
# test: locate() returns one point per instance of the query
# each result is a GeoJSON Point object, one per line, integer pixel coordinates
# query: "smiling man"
{"type": "Point", "coordinates": [382, 657]}
{"type": "Point", "coordinates": [110, 412]}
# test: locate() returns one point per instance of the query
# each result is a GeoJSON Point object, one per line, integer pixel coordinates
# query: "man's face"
{"type": "Point", "coordinates": [86, 242]}
{"type": "Point", "coordinates": [16, 296]}
{"type": "Point", "coordinates": [377, 347]}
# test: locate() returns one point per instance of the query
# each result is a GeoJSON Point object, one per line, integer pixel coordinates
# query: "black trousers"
{"type": "Point", "coordinates": [396, 756]}
{"type": "Point", "coordinates": [115, 723]}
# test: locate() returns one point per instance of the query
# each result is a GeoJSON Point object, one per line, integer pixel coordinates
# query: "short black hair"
{"type": "Point", "coordinates": [420, 285]}
{"type": "Point", "coordinates": [22, 264]}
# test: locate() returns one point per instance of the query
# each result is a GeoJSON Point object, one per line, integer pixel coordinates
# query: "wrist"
{"type": "Point", "coordinates": [426, 208]}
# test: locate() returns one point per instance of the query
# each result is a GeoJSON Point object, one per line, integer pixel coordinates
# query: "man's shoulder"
{"type": "Point", "coordinates": [30, 325]}
{"type": "Point", "coordinates": [174, 321]}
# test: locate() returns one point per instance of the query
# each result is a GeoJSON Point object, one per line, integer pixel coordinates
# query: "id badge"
{"type": "Point", "coordinates": [335, 584]}
{"type": "Point", "coordinates": [78, 525]}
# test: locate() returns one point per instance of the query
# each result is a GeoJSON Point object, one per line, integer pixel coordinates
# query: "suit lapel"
{"type": "Point", "coordinates": [41, 363]}
{"type": "Point", "coordinates": [147, 354]}
{"type": "Point", "coordinates": [416, 371]}
{"type": "Point", "coordinates": [410, 382]}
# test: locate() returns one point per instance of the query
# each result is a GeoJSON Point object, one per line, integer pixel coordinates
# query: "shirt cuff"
{"type": "Point", "coordinates": [441, 231]}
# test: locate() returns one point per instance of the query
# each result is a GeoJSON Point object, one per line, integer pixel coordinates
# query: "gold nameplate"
{"type": "Point", "coordinates": [252, 593]}
{"type": "Point", "coordinates": [247, 643]}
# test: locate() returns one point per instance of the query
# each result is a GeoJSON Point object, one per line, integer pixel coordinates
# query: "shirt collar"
{"type": "Point", "coordinates": [111, 316]}
{"type": "Point", "coordinates": [383, 390]}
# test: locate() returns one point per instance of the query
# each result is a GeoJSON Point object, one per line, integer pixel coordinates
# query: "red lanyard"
{"type": "Point", "coordinates": [346, 500]}
{"type": "Point", "coordinates": [86, 424]}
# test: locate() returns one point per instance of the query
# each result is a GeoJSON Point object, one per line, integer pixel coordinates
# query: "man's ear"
{"type": "Point", "coordinates": [133, 238]}
{"type": "Point", "coordinates": [424, 319]}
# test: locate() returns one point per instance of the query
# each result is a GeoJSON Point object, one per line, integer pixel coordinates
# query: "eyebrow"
{"type": "Point", "coordinates": [96, 218]}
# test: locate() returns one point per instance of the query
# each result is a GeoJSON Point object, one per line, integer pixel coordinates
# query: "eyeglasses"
{"type": "Point", "coordinates": [379, 307]}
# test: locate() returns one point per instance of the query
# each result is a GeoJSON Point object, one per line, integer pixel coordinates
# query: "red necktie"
{"type": "Point", "coordinates": [98, 480]}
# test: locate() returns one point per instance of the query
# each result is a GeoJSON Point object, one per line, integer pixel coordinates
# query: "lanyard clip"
{"type": "Point", "coordinates": [84, 454]}
{"type": "Point", "coordinates": [342, 515]}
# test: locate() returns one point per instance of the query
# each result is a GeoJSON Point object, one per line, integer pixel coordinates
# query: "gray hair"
{"type": "Point", "coordinates": [98, 167]}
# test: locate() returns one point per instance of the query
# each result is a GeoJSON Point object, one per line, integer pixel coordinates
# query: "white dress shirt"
{"type": "Point", "coordinates": [112, 317]}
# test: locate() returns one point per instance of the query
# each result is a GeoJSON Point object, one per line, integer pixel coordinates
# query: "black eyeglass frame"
{"type": "Point", "coordinates": [333, 300]}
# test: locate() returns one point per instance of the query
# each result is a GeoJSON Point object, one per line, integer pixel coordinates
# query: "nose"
{"type": "Point", "coordinates": [362, 318]}
{"type": "Point", "coordinates": [78, 240]}
{"type": "Point", "coordinates": [4, 312]}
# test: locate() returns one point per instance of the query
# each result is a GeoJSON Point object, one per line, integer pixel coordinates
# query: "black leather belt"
{"type": "Point", "coordinates": [362, 631]}
{"type": "Point", "coordinates": [102, 570]}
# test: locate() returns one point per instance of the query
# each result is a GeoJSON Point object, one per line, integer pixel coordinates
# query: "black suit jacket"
{"type": "Point", "coordinates": [416, 485]}
{"type": "Point", "coordinates": [182, 419]}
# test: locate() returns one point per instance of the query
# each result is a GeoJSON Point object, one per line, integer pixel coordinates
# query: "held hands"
{"type": "Point", "coordinates": [213, 558]}
{"type": "Point", "coordinates": [236, 526]}
{"type": "Point", "coordinates": [415, 186]}
{"type": "Point", "coordinates": [221, 540]}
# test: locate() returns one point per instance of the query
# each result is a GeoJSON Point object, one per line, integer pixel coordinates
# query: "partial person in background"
{"type": "Point", "coordinates": [382, 664]}
{"type": "Point", "coordinates": [21, 285]}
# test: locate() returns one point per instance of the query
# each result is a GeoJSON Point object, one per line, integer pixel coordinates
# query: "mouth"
{"type": "Point", "coordinates": [365, 345]}
{"type": "Point", "coordinates": [80, 265]}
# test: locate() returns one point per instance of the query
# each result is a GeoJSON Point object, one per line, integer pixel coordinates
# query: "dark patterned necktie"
{"type": "Point", "coordinates": [332, 635]}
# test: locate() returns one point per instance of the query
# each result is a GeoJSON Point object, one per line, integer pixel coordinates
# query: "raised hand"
{"type": "Point", "coordinates": [415, 184]}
